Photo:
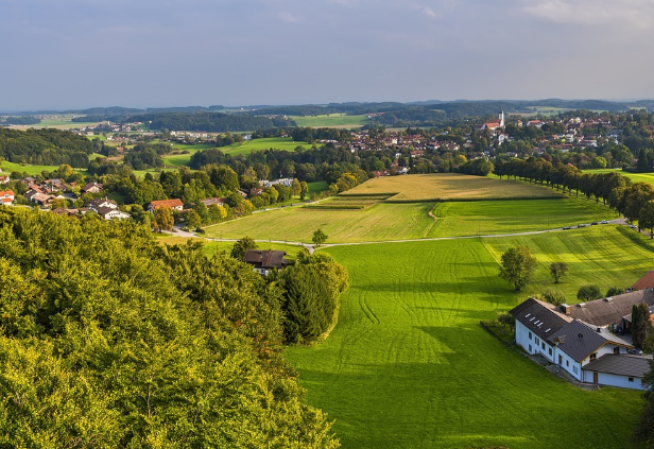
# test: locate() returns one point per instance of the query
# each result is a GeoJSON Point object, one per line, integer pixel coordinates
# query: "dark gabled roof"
{"type": "Point", "coordinates": [539, 317]}
{"type": "Point", "coordinates": [265, 259]}
{"type": "Point", "coordinates": [579, 340]}
{"type": "Point", "coordinates": [602, 312]}
{"type": "Point", "coordinates": [104, 210]}
{"type": "Point", "coordinates": [621, 365]}
{"type": "Point", "coordinates": [645, 282]}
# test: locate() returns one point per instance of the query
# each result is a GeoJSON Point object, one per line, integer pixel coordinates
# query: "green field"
{"type": "Point", "coordinates": [635, 177]}
{"type": "Point", "coordinates": [390, 221]}
{"type": "Point", "coordinates": [213, 248]}
{"type": "Point", "coordinates": [408, 365]}
{"type": "Point", "coordinates": [278, 143]}
{"type": "Point", "coordinates": [331, 121]}
{"type": "Point", "coordinates": [450, 187]}
{"type": "Point", "coordinates": [8, 167]}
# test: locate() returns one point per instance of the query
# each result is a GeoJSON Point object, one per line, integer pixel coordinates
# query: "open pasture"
{"type": "Point", "coordinates": [635, 177]}
{"type": "Point", "coordinates": [402, 221]}
{"type": "Point", "coordinates": [278, 143]}
{"type": "Point", "coordinates": [8, 167]}
{"type": "Point", "coordinates": [408, 365]}
{"type": "Point", "coordinates": [331, 121]}
{"type": "Point", "coordinates": [514, 216]}
{"type": "Point", "coordinates": [212, 248]}
{"type": "Point", "coordinates": [448, 187]}
{"type": "Point", "coordinates": [606, 255]}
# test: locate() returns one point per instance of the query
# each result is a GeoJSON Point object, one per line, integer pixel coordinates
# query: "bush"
{"type": "Point", "coordinates": [589, 292]}
{"type": "Point", "coordinates": [614, 291]}
{"type": "Point", "coordinates": [554, 297]}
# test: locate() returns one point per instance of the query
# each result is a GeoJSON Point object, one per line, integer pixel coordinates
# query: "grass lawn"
{"type": "Point", "coordinates": [8, 167]}
{"type": "Point", "coordinates": [408, 365]}
{"type": "Point", "coordinates": [401, 221]}
{"type": "Point", "coordinates": [635, 177]}
{"type": "Point", "coordinates": [331, 121]}
{"type": "Point", "coordinates": [509, 216]}
{"type": "Point", "coordinates": [213, 248]}
{"type": "Point", "coordinates": [278, 143]}
{"type": "Point", "coordinates": [448, 186]}
{"type": "Point", "coordinates": [606, 255]}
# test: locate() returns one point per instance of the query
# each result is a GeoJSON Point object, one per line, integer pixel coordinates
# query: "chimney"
{"type": "Point", "coordinates": [565, 309]}
{"type": "Point", "coordinates": [599, 330]}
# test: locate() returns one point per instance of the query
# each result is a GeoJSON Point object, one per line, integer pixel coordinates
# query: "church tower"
{"type": "Point", "coordinates": [501, 117]}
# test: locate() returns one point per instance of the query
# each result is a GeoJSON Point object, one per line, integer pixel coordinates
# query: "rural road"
{"type": "Point", "coordinates": [311, 248]}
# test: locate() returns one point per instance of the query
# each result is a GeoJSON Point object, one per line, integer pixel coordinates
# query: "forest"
{"type": "Point", "coordinates": [111, 340]}
{"type": "Point", "coordinates": [45, 147]}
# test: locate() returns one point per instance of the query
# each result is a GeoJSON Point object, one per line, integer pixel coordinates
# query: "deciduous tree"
{"type": "Point", "coordinates": [517, 266]}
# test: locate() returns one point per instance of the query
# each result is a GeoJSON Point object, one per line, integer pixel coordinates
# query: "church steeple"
{"type": "Point", "coordinates": [501, 117]}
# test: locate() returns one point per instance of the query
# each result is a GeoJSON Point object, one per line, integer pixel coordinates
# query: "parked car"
{"type": "Point", "coordinates": [605, 222]}
{"type": "Point", "coordinates": [565, 228]}
{"type": "Point", "coordinates": [581, 225]}
{"type": "Point", "coordinates": [594, 223]}
{"type": "Point", "coordinates": [633, 226]}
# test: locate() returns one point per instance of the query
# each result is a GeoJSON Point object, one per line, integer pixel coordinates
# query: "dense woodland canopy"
{"type": "Point", "coordinates": [45, 147]}
{"type": "Point", "coordinates": [108, 340]}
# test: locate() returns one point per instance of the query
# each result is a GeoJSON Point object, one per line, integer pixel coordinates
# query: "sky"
{"type": "Point", "coordinates": [59, 54]}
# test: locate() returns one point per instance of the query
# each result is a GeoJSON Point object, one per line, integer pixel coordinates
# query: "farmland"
{"type": "Point", "coordinates": [408, 365]}
{"type": "Point", "coordinates": [635, 177]}
{"type": "Point", "coordinates": [278, 143]}
{"type": "Point", "coordinates": [448, 187]}
{"type": "Point", "coordinates": [379, 221]}
{"type": "Point", "coordinates": [331, 121]}
{"type": "Point", "coordinates": [8, 167]}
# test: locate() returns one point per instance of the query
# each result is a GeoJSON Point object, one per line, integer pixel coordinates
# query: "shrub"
{"type": "Point", "coordinates": [589, 292]}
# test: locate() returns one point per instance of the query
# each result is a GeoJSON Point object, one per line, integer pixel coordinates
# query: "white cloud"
{"type": "Point", "coordinates": [429, 12]}
{"type": "Point", "coordinates": [636, 13]}
{"type": "Point", "coordinates": [288, 17]}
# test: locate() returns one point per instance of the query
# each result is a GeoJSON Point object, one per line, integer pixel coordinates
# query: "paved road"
{"type": "Point", "coordinates": [311, 248]}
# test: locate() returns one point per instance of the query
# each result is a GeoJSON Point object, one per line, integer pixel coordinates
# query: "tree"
{"type": "Point", "coordinates": [557, 270]}
{"type": "Point", "coordinates": [640, 324]}
{"type": "Point", "coordinates": [163, 219]}
{"type": "Point", "coordinates": [193, 219]}
{"type": "Point", "coordinates": [304, 189]}
{"type": "Point", "coordinates": [614, 291]}
{"type": "Point", "coordinates": [319, 237]}
{"type": "Point", "coordinates": [506, 319]}
{"type": "Point", "coordinates": [554, 297]}
{"type": "Point", "coordinates": [517, 266]}
{"type": "Point", "coordinates": [646, 218]}
{"type": "Point", "coordinates": [217, 213]}
{"type": "Point", "coordinates": [203, 212]}
{"type": "Point", "coordinates": [240, 247]}
{"type": "Point", "coordinates": [588, 292]}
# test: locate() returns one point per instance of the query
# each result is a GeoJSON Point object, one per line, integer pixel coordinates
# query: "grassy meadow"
{"type": "Point", "coordinates": [278, 143]}
{"type": "Point", "coordinates": [8, 167]}
{"type": "Point", "coordinates": [635, 177]}
{"type": "Point", "coordinates": [448, 187]}
{"type": "Point", "coordinates": [213, 248]}
{"type": "Point", "coordinates": [408, 365]}
{"type": "Point", "coordinates": [331, 121]}
{"type": "Point", "coordinates": [379, 221]}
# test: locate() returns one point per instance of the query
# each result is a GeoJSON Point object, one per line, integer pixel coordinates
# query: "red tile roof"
{"type": "Point", "coordinates": [645, 282]}
{"type": "Point", "coordinates": [175, 202]}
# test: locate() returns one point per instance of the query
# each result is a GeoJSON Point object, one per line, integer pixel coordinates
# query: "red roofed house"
{"type": "Point", "coordinates": [7, 197]}
{"type": "Point", "coordinates": [174, 204]}
{"type": "Point", "coordinates": [645, 282]}
{"type": "Point", "coordinates": [495, 124]}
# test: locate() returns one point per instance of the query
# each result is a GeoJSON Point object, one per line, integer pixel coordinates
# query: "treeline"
{"type": "Point", "coordinates": [111, 340]}
{"type": "Point", "coordinates": [144, 156]}
{"type": "Point", "coordinates": [45, 147]}
{"type": "Point", "coordinates": [23, 120]}
{"type": "Point", "coordinates": [565, 177]}
{"type": "Point", "coordinates": [210, 122]}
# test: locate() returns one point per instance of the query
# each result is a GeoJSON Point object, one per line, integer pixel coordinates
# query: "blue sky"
{"type": "Point", "coordinates": [83, 53]}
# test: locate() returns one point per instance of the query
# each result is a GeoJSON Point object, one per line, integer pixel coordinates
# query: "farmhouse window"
{"type": "Point", "coordinates": [550, 351]}
{"type": "Point", "coordinates": [542, 345]}
{"type": "Point", "coordinates": [616, 350]}
{"type": "Point", "coordinates": [530, 335]}
{"type": "Point", "coordinates": [631, 379]}
{"type": "Point", "coordinates": [567, 363]}
{"type": "Point", "coordinates": [593, 356]}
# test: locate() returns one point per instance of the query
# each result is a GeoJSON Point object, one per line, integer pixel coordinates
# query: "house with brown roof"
{"type": "Point", "coordinates": [92, 187]}
{"type": "Point", "coordinates": [174, 204]}
{"type": "Point", "coordinates": [265, 261]}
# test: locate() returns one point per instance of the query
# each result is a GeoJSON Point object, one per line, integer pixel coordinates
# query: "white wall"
{"type": "Point", "coordinates": [614, 380]}
{"type": "Point", "coordinates": [536, 343]}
